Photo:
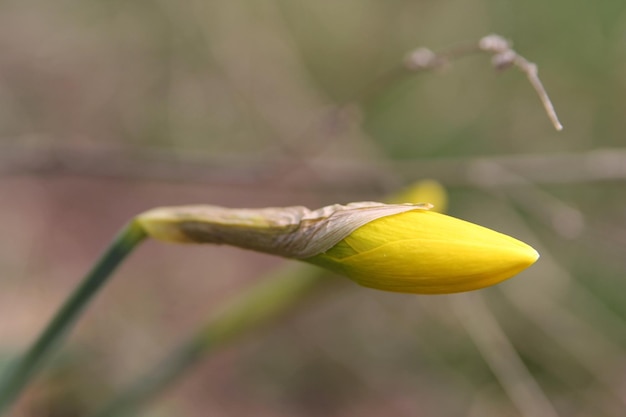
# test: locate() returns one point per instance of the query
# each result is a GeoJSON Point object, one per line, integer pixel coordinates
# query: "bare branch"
{"type": "Point", "coordinates": [503, 57]}
{"type": "Point", "coordinates": [154, 164]}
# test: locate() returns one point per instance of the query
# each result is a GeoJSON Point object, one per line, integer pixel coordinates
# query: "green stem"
{"type": "Point", "coordinates": [24, 369]}
{"type": "Point", "coordinates": [257, 306]}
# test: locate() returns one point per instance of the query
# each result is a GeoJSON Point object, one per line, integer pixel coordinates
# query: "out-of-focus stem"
{"type": "Point", "coordinates": [20, 373]}
{"type": "Point", "coordinates": [502, 357]}
{"type": "Point", "coordinates": [257, 306]}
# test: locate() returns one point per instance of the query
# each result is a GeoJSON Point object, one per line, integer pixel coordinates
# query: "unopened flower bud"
{"type": "Point", "coordinates": [425, 252]}
{"type": "Point", "coordinates": [391, 247]}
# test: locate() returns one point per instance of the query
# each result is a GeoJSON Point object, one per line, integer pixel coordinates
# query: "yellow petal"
{"type": "Point", "coordinates": [426, 252]}
{"type": "Point", "coordinates": [424, 190]}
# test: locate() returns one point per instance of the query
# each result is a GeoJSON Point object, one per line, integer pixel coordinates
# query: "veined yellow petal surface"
{"type": "Point", "coordinates": [426, 252]}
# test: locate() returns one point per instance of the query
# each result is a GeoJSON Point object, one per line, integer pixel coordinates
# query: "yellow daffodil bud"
{"type": "Point", "coordinates": [425, 252]}
{"type": "Point", "coordinates": [391, 247]}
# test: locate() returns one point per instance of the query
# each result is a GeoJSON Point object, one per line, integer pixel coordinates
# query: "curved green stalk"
{"type": "Point", "coordinates": [256, 307]}
{"type": "Point", "coordinates": [19, 374]}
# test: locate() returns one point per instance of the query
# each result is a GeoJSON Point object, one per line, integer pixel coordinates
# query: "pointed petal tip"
{"type": "Point", "coordinates": [524, 258]}
{"type": "Point", "coordinates": [534, 255]}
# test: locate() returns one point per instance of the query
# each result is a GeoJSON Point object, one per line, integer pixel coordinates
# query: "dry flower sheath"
{"type": "Point", "coordinates": [292, 232]}
{"type": "Point", "coordinates": [392, 247]}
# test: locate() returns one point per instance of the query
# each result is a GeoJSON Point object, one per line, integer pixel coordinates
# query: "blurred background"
{"type": "Point", "coordinates": [111, 108]}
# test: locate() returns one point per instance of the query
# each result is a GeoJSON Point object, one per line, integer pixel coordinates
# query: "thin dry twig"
{"type": "Point", "coordinates": [503, 57]}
